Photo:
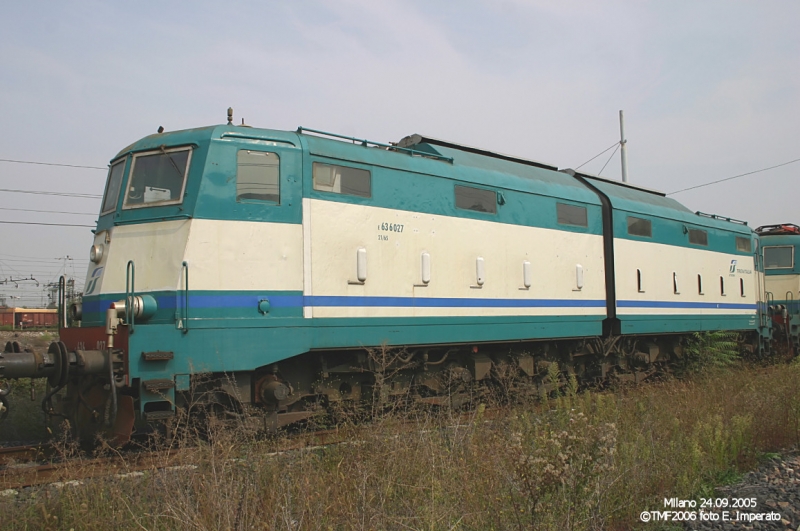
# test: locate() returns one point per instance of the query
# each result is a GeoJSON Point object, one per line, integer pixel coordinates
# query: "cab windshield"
{"type": "Point", "coordinates": [157, 178]}
{"type": "Point", "coordinates": [112, 187]}
{"type": "Point", "coordinates": [779, 257]}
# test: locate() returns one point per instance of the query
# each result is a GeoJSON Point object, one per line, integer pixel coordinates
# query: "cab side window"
{"type": "Point", "coordinates": [258, 176]}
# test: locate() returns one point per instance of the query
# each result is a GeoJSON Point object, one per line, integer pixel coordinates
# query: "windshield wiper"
{"type": "Point", "coordinates": [177, 170]}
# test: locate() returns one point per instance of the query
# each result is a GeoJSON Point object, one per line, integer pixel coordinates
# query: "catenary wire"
{"type": "Point", "coordinates": [49, 211]}
{"type": "Point", "coordinates": [591, 159]}
{"type": "Point", "coordinates": [48, 261]}
{"type": "Point", "coordinates": [49, 224]}
{"type": "Point", "coordinates": [734, 177]}
{"type": "Point", "coordinates": [63, 194]}
{"type": "Point", "coordinates": [36, 257]}
{"type": "Point", "coordinates": [53, 164]}
{"type": "Point", "coordinates": [609, 159]}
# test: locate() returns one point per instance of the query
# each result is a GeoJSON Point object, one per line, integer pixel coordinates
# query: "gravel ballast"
{"type": "Point", "coordinates": [775, 485]}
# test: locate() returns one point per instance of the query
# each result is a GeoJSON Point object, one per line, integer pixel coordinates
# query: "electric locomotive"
{"type": "Point", "coordinates": [780, 244]}
{"type": "Point", "coordinates": [266, 274]}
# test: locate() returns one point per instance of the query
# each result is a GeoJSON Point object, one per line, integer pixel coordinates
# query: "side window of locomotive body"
{"type": "Point", "coordinates": [258, 176]}
{"type": "Point", "coordinates": [112, 186]}
{"type": "Point", "coordinates": [698, 237]}
{"type": "Point", "coordinates": [342, 180]}
{"type": "Point", "coordinates": [572, 215]}
{"type": "Point", "coordinates": [476, 199]}
{"type": "Point", "coordinates": [640, 227]}
{"type": "Point", "coordinates": [779, 257]}
{"type": "Point", "coordinates": [158, 178]}
{"type": "Point", "coordinates": [743, 244]}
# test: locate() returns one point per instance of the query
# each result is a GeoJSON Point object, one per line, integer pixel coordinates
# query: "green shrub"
{"type": "Point", "coordinates": [711, 350]}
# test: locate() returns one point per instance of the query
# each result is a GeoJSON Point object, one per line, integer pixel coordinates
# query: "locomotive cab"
{"type": "Point", "coordinates": [199, 240]}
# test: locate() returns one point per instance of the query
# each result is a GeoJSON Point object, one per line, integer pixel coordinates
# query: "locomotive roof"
{"type": "Point", "coordinates": [174, 138]}
{"type": "Point", "coordinates": [786, 236]}
{"type": "Point", "coordinates": [490, 161]}
{"type": "Point", "coordinates": [416, 140]}
{"type": "Point", "coordinates": [493, 168]}
{"type": "Point", "coordinates": [623, 196]}
{"type": "Point", "coordinates": [640, 200]}
{"type": "Point", "coordinates": [471, 165]}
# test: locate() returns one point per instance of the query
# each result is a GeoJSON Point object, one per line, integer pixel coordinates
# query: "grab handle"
{"type": "Point", "coordinates": [130, 279]}
{"type": "Point", "coordinates": [185, 270]}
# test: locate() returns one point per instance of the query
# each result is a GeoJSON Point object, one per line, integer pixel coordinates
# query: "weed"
{"type": "Point", "coordinates": [708, 350]}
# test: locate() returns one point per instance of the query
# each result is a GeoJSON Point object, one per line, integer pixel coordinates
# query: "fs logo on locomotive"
{"type": "Point", "coordinates": [96, 274]}
{"type": "Point", "coordinates": [735, 269]}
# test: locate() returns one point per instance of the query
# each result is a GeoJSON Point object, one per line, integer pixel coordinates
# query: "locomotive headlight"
{"type": "Point", "coordinates": [96, 253]}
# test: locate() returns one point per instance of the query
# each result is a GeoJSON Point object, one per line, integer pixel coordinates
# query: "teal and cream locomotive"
{"type": "Point", "coordinates": [267, 273]}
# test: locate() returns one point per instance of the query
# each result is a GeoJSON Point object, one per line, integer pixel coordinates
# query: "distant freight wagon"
{"type": "Point", "coordinates": [21, 318]}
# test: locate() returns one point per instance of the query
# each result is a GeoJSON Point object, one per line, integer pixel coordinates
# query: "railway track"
{"type": "Point", "coordinates": [43, 464]}
{"type": "Point", "coordinates": [24, 454]}
{"type": "Point", "coordinates": [29, 466]}
{"type": "Point", "coordinates": [77, 469]}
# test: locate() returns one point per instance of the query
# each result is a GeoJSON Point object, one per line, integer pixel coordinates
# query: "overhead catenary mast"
{"type": "Point", "coordinates": [623, 153]}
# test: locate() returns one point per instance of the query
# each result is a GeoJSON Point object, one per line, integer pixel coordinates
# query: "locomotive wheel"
{"type": "Point", "coordinates": [12, 346]}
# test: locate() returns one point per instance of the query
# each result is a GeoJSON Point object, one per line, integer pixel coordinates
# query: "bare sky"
{"type": "Point", "coordinates": [710, 90]}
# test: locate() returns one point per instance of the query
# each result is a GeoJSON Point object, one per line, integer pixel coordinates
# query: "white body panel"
{"type": "Point", "coordinates": [320, 259]}
{"type": "Point", "coordinates": [157, 250]}
{"type": "Point", "coordinates": [222, 256]}
{"type": "Point", "coordinates": [780, 285]}
{"type": "Point", "coordinates": [657, 263]}
{"type": "Point", "coordinates": [245, 255]}
{"type": "Point", "coordinates": [337, 230]}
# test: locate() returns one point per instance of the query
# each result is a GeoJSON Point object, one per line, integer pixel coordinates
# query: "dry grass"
{"type": "Point", "coordinates": [585, 461]}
